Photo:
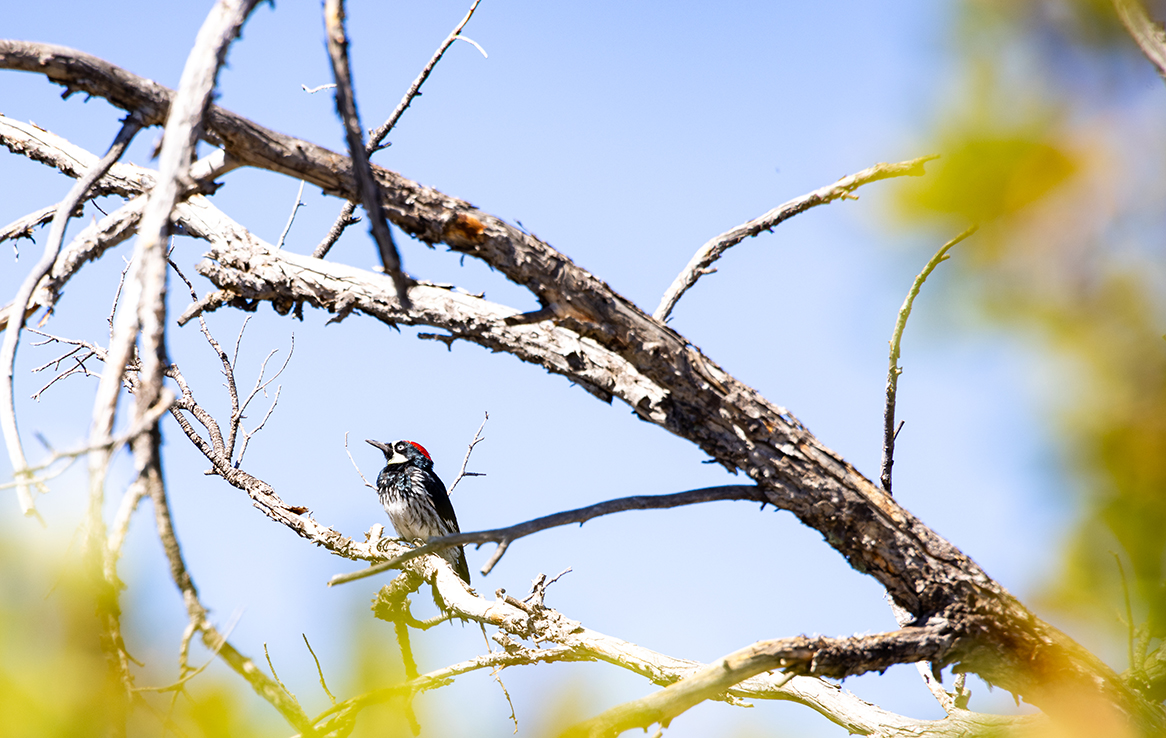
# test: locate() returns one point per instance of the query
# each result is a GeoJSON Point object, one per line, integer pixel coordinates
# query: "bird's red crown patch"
{"type": "Point", "coordinates": [421, 448]}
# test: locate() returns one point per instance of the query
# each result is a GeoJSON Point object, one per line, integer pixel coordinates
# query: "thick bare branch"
{"type": "Point", "coordinates": [195, 88]}
{"type": "Point", "coordinates": [702, 261]}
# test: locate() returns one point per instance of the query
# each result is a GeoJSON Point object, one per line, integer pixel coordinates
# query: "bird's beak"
{"type": "Point", "coordinates": [384, 447]}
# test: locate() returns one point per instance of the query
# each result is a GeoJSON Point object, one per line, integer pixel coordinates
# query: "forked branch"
{"type": "Point", "coordinates": [370, 194]}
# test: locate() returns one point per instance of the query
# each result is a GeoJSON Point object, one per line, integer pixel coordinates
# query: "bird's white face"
{"type": "Point", "coordinates": [397, 459]}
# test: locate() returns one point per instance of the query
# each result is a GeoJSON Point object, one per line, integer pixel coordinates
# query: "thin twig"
{"type": "Point", "coordinates": [439, 677]}
{"type": "Point", "coordinates": [274, 675]}
{"type": "Point", "coordinates": [187, 672]}
{"type": "Point", "coordinates": [472, 42]}
{"type": "Point", "coordinates": [927, 671]}
{"type": "Point", "coordinates": [496, 673]}
{"type": "Point", "coordinates": [319, 671]}
{"type": "Point", "coordinates": [538, 588]}
{"type": "Point", "coordinates": [228, 371]}
{"type": "Point", "coordinates": [370, 193]}
{"type": "Point", "coordinates": [238, 409]}
{"type": "Point", "coordinates": [706, 255]}
{"type": "Point", "coordinates": [291, 218]}
{"type": "Point", "coordinates": [345, 218]}
{"type": "Point", "coordinates": [893, 372]}
{"type": "Point", "coordinates": [354, 465]}
{"type": "Point", "coordinates": [130, 126]}
{"type": "Point", "coordinates": [505, 535]}
{"type": "Point", "coordinates": [477, 439]}
{"type": "Point", "coordinates": [248, 434]}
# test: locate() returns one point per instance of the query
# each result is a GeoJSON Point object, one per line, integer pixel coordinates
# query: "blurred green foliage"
{"type": "Point", "coordinates": [54, 678]}
{"type": "Point", "coordinates": [1052, 137]}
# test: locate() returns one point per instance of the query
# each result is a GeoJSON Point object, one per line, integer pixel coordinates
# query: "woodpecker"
{"type": "Point", "coordinates": [416, 500]}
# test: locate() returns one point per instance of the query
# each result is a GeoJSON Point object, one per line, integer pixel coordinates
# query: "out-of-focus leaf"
{"type": "Point", "coordinates": [982, 177]}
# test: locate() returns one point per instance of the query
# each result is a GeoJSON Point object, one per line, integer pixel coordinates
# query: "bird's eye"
{"type": "Point", "coordinates": [401, 446]}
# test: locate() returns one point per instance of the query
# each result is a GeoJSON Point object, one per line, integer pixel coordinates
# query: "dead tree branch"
{"type": "Point", "coordinates": [370, 194]}
{"type": "Point", "coordinates": [124, 180]}
{"type": "Point", "coordinates": [346, 218]}
{"type": "Point", "coordinates": [889, 430]}
{"type": "Point", "coordinates": [1147, 34]}
{"type": "Point", "coordinates": [702, 261]}
{"type": "Point", "coordinates": [830, 657]}
{"type": "Point", "coordinates": [64, 212]}
{"type": "Point", "coordinates": [505, 536]}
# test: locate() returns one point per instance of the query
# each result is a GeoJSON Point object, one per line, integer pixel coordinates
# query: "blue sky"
{"type": "Point", "coordinates": [625, 136]}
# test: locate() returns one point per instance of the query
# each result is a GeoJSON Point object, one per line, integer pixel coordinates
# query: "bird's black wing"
{"type": "Point", "coordinates": [440, 497]}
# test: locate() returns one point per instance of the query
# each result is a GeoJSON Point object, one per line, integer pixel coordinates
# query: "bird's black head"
{"type": "Point", "coordinates": [403, 453]}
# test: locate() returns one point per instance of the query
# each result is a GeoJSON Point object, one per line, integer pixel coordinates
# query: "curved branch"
{"type": "Point", "coordinates": [830, 657]}
{"type": "Point", "coordinates": [894, 371]}
{"type": "Point", "coordinates": [126, 180]}
{"type": "Point", "coordinates": [505, 536]}
{"type": "Point", "coordinates": [706, 255]}
{"type": "Point", "coordinates": [1146, 33]}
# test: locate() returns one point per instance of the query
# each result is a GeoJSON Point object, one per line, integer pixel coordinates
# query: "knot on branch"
{"type": "Point", "coordinates": [463, 230]}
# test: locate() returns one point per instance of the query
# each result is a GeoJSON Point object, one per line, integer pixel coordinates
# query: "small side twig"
{"type": "Point", "coordinates": [260, 387]}
{"type": "Point", "coordinates": [346, 217]}
{"type": "Point", "coordinates": [22, 227]}
{"type": "Point", "coordinates": [370, 193]}
{"type": "Point", "coordinates": [462, 472]}
{"type": "Point", "coordinates": [291, 218]}
{"type": "Point", "coordinates": [496, 674]}
{"type": "Point", "coordinates": [354, 464]}
{"type": "Point", "coordinates": [275, 676]}
{"type": "Point", "coordinates": [889, 430]}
